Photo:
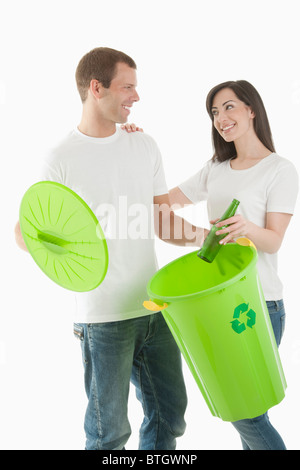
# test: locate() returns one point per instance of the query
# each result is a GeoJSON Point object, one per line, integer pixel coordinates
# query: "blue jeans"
{"type": "Point", "coordinates": [258, 433]}
{"type": "Point", "coordinates": [143, 351]}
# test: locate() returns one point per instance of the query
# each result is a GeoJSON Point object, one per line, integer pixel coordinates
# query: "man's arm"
{"type": "Point", "coordinates": [19, 238]}
{"type": "Point", "coordinates": [172, 228]}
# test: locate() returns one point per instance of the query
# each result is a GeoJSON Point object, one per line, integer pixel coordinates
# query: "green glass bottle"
{"type": "Point", "coordinates": [211, 245]}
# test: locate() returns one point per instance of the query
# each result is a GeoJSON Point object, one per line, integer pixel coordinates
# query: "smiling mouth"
{"type": "Point", "coordinates": [126, 107]}
{"type": "Point", "coordinates": [227, 128]}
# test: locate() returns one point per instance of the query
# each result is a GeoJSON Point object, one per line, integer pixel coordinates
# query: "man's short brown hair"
{"type": "Point", "coordinates": [99, 64]}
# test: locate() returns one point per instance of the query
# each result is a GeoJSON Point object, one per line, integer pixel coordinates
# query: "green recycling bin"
{"type": "Point", "coordinates": [218, 316]}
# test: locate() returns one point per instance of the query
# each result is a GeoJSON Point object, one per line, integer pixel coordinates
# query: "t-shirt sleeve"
{"type": "Point", "coordinates": [195, 188]}
{"type": "Point", "coordinates": [283, 190]}
{"type": "Point", "coordinates": [159, 180]}
{"type": "Point", "coordinates": [51, 169]}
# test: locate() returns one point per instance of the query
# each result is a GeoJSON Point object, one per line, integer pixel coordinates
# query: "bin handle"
{"type": "Point", "coordinates": [154, 306]}
{"type": "Point", "coordinates": [243, 241]}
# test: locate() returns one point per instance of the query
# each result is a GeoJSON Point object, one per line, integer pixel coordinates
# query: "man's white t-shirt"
{"type": "Point", "coordinates": [117, 176]}
{"type": "Point", "coordinates": [269, 186]}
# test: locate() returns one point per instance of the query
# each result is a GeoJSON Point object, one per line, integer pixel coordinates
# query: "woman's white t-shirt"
{"type": "Point", "coordinates": [269, 186]}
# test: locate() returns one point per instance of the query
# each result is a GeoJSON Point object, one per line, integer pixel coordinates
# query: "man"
{"type": "Point", "coordinates": [117, 173]}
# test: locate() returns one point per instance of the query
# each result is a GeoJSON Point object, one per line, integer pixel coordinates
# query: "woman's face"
{"type": "Point", "coordinates": [233, 119]}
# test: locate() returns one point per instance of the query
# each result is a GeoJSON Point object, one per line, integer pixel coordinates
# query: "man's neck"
{"type": "Point", "coordinates": [93, 126]}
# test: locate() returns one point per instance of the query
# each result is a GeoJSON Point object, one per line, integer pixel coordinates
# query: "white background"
{"type": "Point", "coordinates": [182, 49]}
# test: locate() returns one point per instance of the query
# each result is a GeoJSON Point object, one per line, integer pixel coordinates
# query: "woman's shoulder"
{"type": "Point", "coordinates": [281, 166]}
{"type": "Point", "coordinates": [278, 161]}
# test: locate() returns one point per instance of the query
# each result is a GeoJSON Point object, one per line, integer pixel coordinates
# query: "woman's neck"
{"type": "Point", "coordinates": [249, 152]}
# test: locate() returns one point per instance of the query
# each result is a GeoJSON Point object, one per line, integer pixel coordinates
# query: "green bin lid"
{"type": "Point", "coordinates": [63, 236]}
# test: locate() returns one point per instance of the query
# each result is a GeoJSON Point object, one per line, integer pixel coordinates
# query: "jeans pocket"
{"type": "Point", "coordinates": [78, 331]}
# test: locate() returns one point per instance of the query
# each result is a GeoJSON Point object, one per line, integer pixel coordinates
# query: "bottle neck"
{"type": "Point", "coordinates": [231, 210]}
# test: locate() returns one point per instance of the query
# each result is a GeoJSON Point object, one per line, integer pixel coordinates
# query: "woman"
{"type": "Point", "coordinates": [245, 166]}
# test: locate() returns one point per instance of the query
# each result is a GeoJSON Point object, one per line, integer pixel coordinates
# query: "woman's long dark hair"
{"type": "Point", "coordinates": [249, 95]}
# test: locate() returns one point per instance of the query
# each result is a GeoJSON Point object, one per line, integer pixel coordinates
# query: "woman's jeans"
{"type": "Point", "coordinates": [143, 351]}
{"type": "Point", "coordinates": [258, 433]}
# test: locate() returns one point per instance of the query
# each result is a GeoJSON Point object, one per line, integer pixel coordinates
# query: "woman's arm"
{"type": "Point", "coordinates": [178, 199]}
{"type": "Point", "coordinates": [266, 239]}
{"type": "Point", "coordinates": [172, 228]}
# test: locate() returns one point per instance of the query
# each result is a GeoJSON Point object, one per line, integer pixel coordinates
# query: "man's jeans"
{"type": "Point", "coordinates": [258, 433]}
{"type": "Point", "coordinates": [143, 351]}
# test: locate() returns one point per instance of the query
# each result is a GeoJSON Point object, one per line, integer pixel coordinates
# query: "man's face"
{"type": "Point", "coordinates": [120, 96]}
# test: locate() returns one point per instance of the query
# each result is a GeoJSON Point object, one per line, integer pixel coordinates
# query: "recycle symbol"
{"type": "Point", "coordinates": [240, 326]}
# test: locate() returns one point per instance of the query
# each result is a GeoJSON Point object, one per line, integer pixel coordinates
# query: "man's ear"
{"type": "Point", "coordinates": [96, 89]}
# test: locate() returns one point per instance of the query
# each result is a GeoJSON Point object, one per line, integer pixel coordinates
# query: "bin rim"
{"type": "Point", "coordinates": [219, 287]}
